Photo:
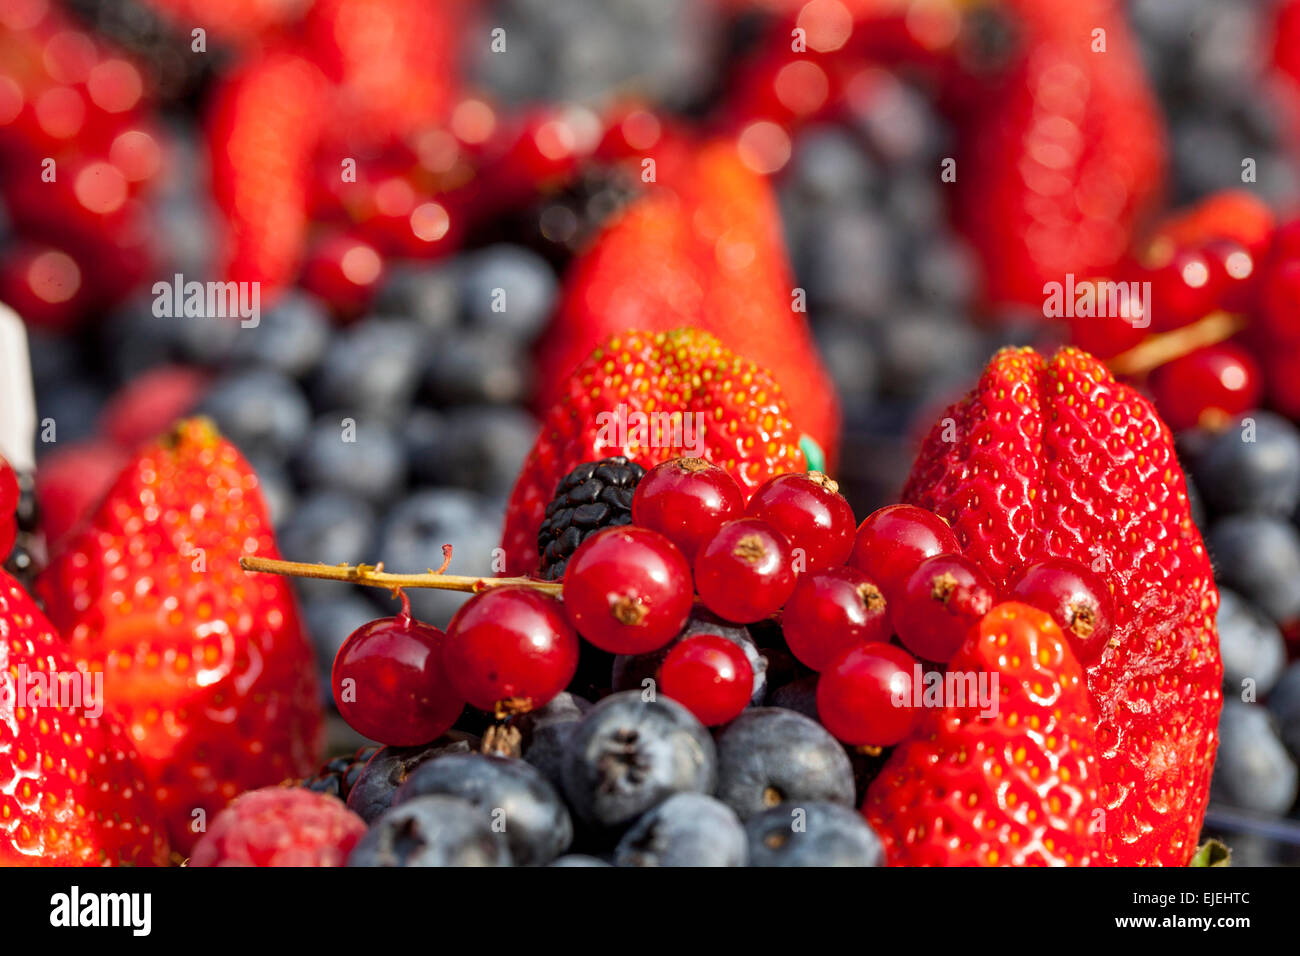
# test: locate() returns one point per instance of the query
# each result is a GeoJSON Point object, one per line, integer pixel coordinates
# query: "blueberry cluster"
{"type": "Point", "coordinates": [629, 781]}
{"type": "Point", "coordinates": [1246, 483]}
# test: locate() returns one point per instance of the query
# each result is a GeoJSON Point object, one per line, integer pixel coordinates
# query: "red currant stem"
{"type": "Point", "coordinates": [406, 606]}
{"type": "Point", "coordinates": [1164, 347]}
{"type": "Point", "coordinates": [374, 575]}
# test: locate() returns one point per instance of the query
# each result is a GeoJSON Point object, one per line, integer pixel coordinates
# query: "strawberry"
{"type": "Point", "coordinates": [71, 790]}
{"type": "Point", "coordinates": [1064, 154]}
{"type": "Point", "coordinates": [701, 248]}
{"type": "Point", "coordinates": [1053, 457]}
{"type": "Point", "coordinates": [8, 507]}
{"type": "Point", "coordinates": [207, 668]}
{"type": "Point", "coordinates": [1013, 785]}
{"type": "Point", "coordinates": [714, 404]}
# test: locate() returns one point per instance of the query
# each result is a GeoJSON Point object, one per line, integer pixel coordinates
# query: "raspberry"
{"type": "Point", "coordinates": [595, 495]}
{"type": "Point", "coordinates": [280, 826]}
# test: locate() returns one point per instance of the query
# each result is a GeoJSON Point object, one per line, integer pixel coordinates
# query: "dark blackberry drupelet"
{"type": "Point", "coordinates": [337, 776]}
{"type": "Point", "coordinates": [595, 495]}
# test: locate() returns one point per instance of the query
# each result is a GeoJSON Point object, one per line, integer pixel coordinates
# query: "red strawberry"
{"type": "Point", "coordinates": [1063, 156]}
{"type": "Point", "coordinates": [702, 248]}
{"type": "Point", "coordinates": [207, 667]}
{"type": "Point", "coordinates": [264, 129]}
{"type": "Point", "coordinates": [71, 790]}
{"type": "Point", "coordinates": [1013, 788]}
{"type": "Point", "coordinates": [8, 506]}
{"type": "Point", "coordinates": [685, 375]}
{"type": "Point", "coordinates": [1053, 457]}
{"type": "Point", "coordinates": [280, 826]}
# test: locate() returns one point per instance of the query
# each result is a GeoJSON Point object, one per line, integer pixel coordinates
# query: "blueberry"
{"type": "Point", "coordinates": [632, 671]}
{"type": "Point", "coordinates": [373, 368]}
{"type": "Point", "coordinates": [925, 354]}
{"type": "Point", "coordinates": [1258, 556]}
{"type": "Point", "coordinates": [945, 271]}
{"type": "Point", "coordinates": [74, 407]}
{"type": "Point", "coordinates": [330, 618]}
{"type": "Point", "coordinates": [482, 447]}
{"type": "Point", "coordinates": [1253, 770]}
{"type": "Point", "coordinates": [899, 122]}
{"type": "Point", "coordinates": [1262, 474]}
{"type": "Point", "coordinates": [422, 441]}
{"type": "Point", "coordinates": [578, 859]}
{"type": "Point", "coordinates": [508, 289]}
{"type": "Point", "coordinates": [850, 264]}
{"type": "Point", "coordinates": [546, 733]}
{"type": "Point", "coordinates": [417, 528]}
{"type": "Point", "coordinates": [276, 487]}
{"type": "Point", "coordinates": [768, 756]}
{"type": "Point", "coordinates": [388, 769]}
{"type": "Point", "coordinates": [850, 359]}
{"type": "Point", "coordinates": [428, 294]}
{"type": "Point", "coordinates": [477, 366]}
{"type": "Point", "coordinates": [687, 829]}
{"type": "Point", "coordinates": [812, 833]}
{"type": "Point", "coordinates": [799, 695]}
{"type": "Point", "coordinates": [831, 168]}
{"type": "Point", "coordinates": [1250, 644]}
{"type": "Point", "coordinates": [359, 456]}
{"type": "Point", "coordinates": [432, 831]}
{"type": "Point", "coordinates": [513, 795]}
{"type": "Point", "coordinates": [262, 411]}
{"type": "Point", "coordinates": [1284, 702]}
{"type": "Point", "coordinates": [291, 337]}
{"type": "Point", "coordinates": [133, 339]}
{"type": "Point", "coordinates": [629, 754]}
{"type": "Point", "coordinates": [331, 527]}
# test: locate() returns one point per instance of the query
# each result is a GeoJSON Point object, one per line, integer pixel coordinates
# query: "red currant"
{"type": "Point", "coordinates": [831, 610]}
{"type": "Point", "coordinates": [812, 514]}
{"type": "Point", "coordinates": [744, 572]}
{"type": "Point", "coordinates": [628, 590]}
{"type": "Point", "coordinates": [1184, 289]}
{"type": "Point", "coordinates": [710, 676]}
{"type": "Point", "coordinates": [892, 541]}
{"type": "Point", "coordinates": [1283, 368]}
{"type": "Point", "coordinates": [510, 647]}
{"type": "Point", "coordinates": [1232, 270]}
{"type": "Point", "coordinates": [864, 696]}
{"type": "Point", "coordinates": [390, 683]}
{"type": "Point", "coordinates": [1280, 301]}
{"type": "Point", "coordinates": [944, 596]}
{"type": "Point", "coordinates": [1207, 387]}
{"type": "Point", "coordinates": [686, 500]}
{"type": "Point", "coordinates": [1077, 599]}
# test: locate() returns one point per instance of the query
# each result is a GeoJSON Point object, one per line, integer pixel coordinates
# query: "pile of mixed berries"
{"type": "Point", "coordinates": [751, 661]}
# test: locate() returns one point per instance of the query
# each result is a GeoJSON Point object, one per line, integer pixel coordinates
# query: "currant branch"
{"type": "Point", "coordinates": [374, 575]}
{"type": "Point", "coordinates": [1164, 347]}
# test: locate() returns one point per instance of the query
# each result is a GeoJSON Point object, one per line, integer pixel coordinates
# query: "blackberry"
{"type": "Point", "coordinates": [595, 495]}
{"type": "Point", "coordinates": [337, 776]}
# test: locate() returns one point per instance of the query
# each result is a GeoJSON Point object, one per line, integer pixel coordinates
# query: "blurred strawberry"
{"type": "Point", "coordinates": [207, 667]}
{"type": "Point", "coordinates": [145, 406]}
{"type": "Point", "coordinates": [702, 248]}
{"type": "Point", "coordinates": [70, 481]}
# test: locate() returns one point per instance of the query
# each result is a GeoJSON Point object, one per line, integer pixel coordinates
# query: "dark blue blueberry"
{"type": "Point", "coordinates": [277, 488]}
{"type": "Point", "coordinates": [477, 366]}
{"type": "Point", "coordinates": [421, 432]}
{"type": "Point", "coordinates": [1250, 644]}
{"type": "Point", "coordinates": [546, 732]}
{"type": "Point", "coordinates": [768, 756]}
{"type": "Point", "coordinates": [687, 829]}
{"type": "Point", "coordinates": [945, 272]}
{"type": "Point", "coordinates": [73, 407]}
{"type": "Point", "coordinates": [629, 754]}
{"type": "Point", "coordinates": [135, 340]}
{"type": "Point", "coordinates": [57, 360]}
{"type": "Point", "coordinates": [432, 831]}
{"type": "Point", "coordinates": [373, 368]}
{"type": "Point", "coordinates": [262, 411]}
{"type": "Point", "coordinates": [850, 359]}
{"type": "Point", "coordinates": [1253, 770]}
{"type": "Point", "coordinates": [799, 695]}
{"type": "Point", "coordinates": [1262, 474]}
{"type": "Point", "coordinates": [927, 354]}
{"type": "Point", "coordinates": [631, 672]}
{"type": "Point", "coordinates": [849, 264]}
{"type": "Point", "coordinates": [508, 289]}
{"type": "Point", "coordinates": [1258, 556]}
{"type": "Point", "coordinates": [831, 168]}
{"type": "Point", "coordinates": [362, 457]}
{"type": "Point", "coordinates": [481, 447]}
{"type": "Point", "coordinates": [428, 294]}
{"type": "Point", "coordinates": [388, 769]}
{"type": "Point", "coordinates": [513, 795]}
{"type": "Point", "coordinates": [1284, 702]}
{"type": "Point", "coordinates": [331, 527]}
{"type": "Point", "coordinates": [329, 619]}
{"type": "Point", "coordinates": [417, 528]}
{"type": "Point", "coordinates": [812, 833]}
{"type": "Point", "coordinates": [899, 122]}
{"type": "Point", "coordinates": [291, 337]}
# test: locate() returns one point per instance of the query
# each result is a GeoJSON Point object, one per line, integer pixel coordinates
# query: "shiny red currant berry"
{"type": "Point", "coordinates": [1078, 600]}
{"type": "Point", "coordinates": [812, 514]}
{"type": "Point", "coordinates": [744, 572]}
{"type": "Point", "coordinates": [832, 610]}
{"type": "Point", "coordinates": [892, 541]}
{"type": "Point", "coordinates": [686, 500]}
{"type": "Point", "coordinates": [943, 597]}
{"type": "Point", "coordinates": [1280, 301]}
{"type": "Point", "coordinates": [1232, 270]}
{"type": "Point", "coordinates": [628, 590]}
{"type": "Point", "coordinates": [1183, 290]}
{"type": "Point", "coordinates": [865, 695]}
{"type": "Point", "coordinates": [390, 683]}
{"type": "Point", "coordinates": [510, 648]}
{"type": "Point", "coordinates": [1208, 387]}
{"type": "Point", "coordinates": [710, 676]}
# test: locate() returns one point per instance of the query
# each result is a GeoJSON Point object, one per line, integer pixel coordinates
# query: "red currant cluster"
{"type": "Point", "coordinates": [861, 608]}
